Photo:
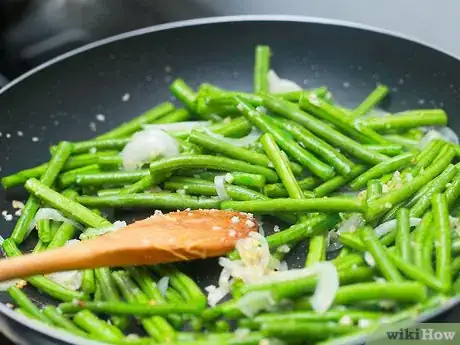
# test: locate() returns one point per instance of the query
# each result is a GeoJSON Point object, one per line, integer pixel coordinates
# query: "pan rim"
{"type": "Point", "coordinates": [61, 335]}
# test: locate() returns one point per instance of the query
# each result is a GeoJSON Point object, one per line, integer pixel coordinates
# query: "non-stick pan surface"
{"type": "Point", "coordinates": [60, 100]}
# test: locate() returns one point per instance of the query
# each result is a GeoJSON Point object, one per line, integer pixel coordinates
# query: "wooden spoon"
{"type": "Point", "coordinates": [176, 236]}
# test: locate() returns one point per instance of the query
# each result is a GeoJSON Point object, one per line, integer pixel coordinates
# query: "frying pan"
{"type": "Point", "coordinates": [60, 99]}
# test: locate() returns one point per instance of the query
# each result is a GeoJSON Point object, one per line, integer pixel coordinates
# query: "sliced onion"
{"type": "Point", "coordinates": [369, 259]}
{"type": "Point", "coordinates": [254, 302]}
{"type": "Point", "coordinates": [326, 287]}
{"type": "Point", "coordinates": [8, 283]}
{"type": "Point", "coordinates": [241, 142]}
{"type": "Point", "coordinates": [52, 214]}
{"type": "Point", "coordinates": [279, 85]}
{"type": "Point", "coordinates": [386, 227]}
{"type": "Point", "coordinates": [219, 183]}
{"type": "Point", "coordinates": [185, 126]}
{"type": "Point", "coordinates": [443, 133]}
{"type": "Point", "coordinates": [90, 232]}
{"type": "Point", "coordinates": [69, 279]}
{"type": "Point", "coordinates": [348, 225]}
{"type": "Point", "coordinates": [163, 285]}
{"type": "Point", "coordinates": [147, 145]}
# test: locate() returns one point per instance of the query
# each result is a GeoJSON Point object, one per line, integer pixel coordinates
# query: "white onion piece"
{"type": "Point", "coordinates": [219, 183]}
{"type": "Point", "coordinates": [348, 225]}
{"type": "Point", "coordinates": [8, 283]}
{"type": "Point", "coordinates": [52, 214]}
{"type": "Point", "coordinates": [117, 225]}
{"type": "Point", "coordinates": [279, 85]}
{"type": "Point", "coordinates": [369, 259]}
{"type": "Point", "coordinates": [351, 224]}
{"type": "Point", "coordinates": [326, 287]}
{"type": "Point", "coordinates": [147, 145]}
{"type": "Point", "coordinates": [443, 133]}
{"type": "Point", "coordinates": [69, 279]}
{"type": "Point", "coordinates": [185, 126]}
{"type": "Point", "coordinates": [241, 142]}
{"type": "Point", "coordinates": [254, 302]}
{"type": "Point", "coordinates": [386, 227]}
{"type": "Point", "coordinates": [163, 285]}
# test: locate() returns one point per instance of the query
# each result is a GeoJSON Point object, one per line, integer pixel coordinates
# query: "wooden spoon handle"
{"type": "Point", "coordinates": [177, 236]}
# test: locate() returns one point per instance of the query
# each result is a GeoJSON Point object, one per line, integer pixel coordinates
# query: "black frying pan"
{"type": "Point", "coordinates": [60, 99]}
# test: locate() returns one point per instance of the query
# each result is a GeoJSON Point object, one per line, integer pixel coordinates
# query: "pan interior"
{"type": "Point", "coordinates": [123, 78]}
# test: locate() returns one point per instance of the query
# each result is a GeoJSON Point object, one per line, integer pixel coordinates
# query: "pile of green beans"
{"type": "Point", "coordinates": [298, 157]}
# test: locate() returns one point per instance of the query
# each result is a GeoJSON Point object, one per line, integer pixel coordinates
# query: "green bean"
{"type": "Point", "coordinates": [338, 181]}
{"type": "Point", "coordinates": [384, 264]}
{"type": "Point", "coordinates": [156, 326]}
{"type": "Point", "coordinates": [184, 93]}
{"type": "Point", "coordinates": [415, 272]}
{"type": "Point", "coordinates": [419, 236]}
{"type": "Point", "coordinates": [148, 200]}
{"type": "Point", "coordinates": [69, 207]}
{"type": "Point", "coordinates": [214, 144]}
{"type": "Point", "coordinates": [72, 174]}
{"type": "Point", "coordinates": [403, 241]}
{"type": "Point", "coordinates": [277, 190]}
{"type": "Point", "coordinates": [388, 149]}
{"type": "Point", "coordinates": [309, 316]}
{"type": "Point", "coordinates": [184, 284]}
{"type": "Point", "coordinates": [374, 190]}
{"type": "Point", "coordinates": [109, 293]}
{"type": "Point", "coordinates": [303, 330]}
{"type": "Point", "coordinates": [96, 327]}
{"type": "Point", "coordinates": [404, 292]}
{"type": "Point", "coordinates": [281, 166]}
{"type": "Point", "coordinates": [147, 284]}
{"type": "Point", "coordinates": [128, 128]}
{"type": "Point", "coordinates": [88, 285]}
{"type": "Point", "coordinates": [453, 190]}
{"type": "Point", "coordinates": [44, 230]}
{"type": "Point", "coordinates": [21, 299]}
{"type": "Point", "coordinates": [318, 146]}
{"type": "Point", "coordinates": [307, 228]}
{"type": "Point", "coordinates": [316, 250]}
{"type": "Point", "coordinates": [65, 233]}
{"type": "Point", "coordinates": [177, 115]}
{"type": "Point", "coordinates": [329, 205]}
{"type": "Point", "coordinates": [371, 101]}
{"type": "Point", "coordinates": [427, 252]}
{"type": "Point", "coordinates": [426, 156]}
{"type": "Point", "coordinates": [381, 169]}
{"type": "Point", "coordinates": [407, 119]}
{"type": "Point", "coordinates": [47, 179]}
{"type": "Point", "coordinates": [110, 163]}
{"type": "Point", "coordinates": [286, 142]}
{"type": "Point", "coordinates": [421, 201]}
{"type": "Point", "coordinates": [196, 186]}
{"type": "Point", "coordinates": [53, 314]}
{"type": "Point", "coordinates": [110, 191]}
{"type": "Point", "coordinates": [72, 163]}
{"type": "Point", "coordinates": [237, 127]}
{"type": "Point", "coordinates": [378, 206]}
{"type": "Point", "coordinates": [409, 144]}
{"type": "Point", "coordinates": [115, 178]}
{"type": "Point", "coordinates": [347, 261]}
{"type": "Point", "coordinates": [261, 67]}
{"type": "Point", "coordinates": [126, 309]}
{"type": "Point", "coordinates": [443, 240]}
{"type": "Point", "coordinates": [100, 145]}
{"type": "Point", "coordinates": [351, 240]}
{"type": "Point", "coordinates": [338, 118]}
{"type": "Point", "coordinates": [300, 286]}
{"type": "Point", "coordinates": [210, 162]}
